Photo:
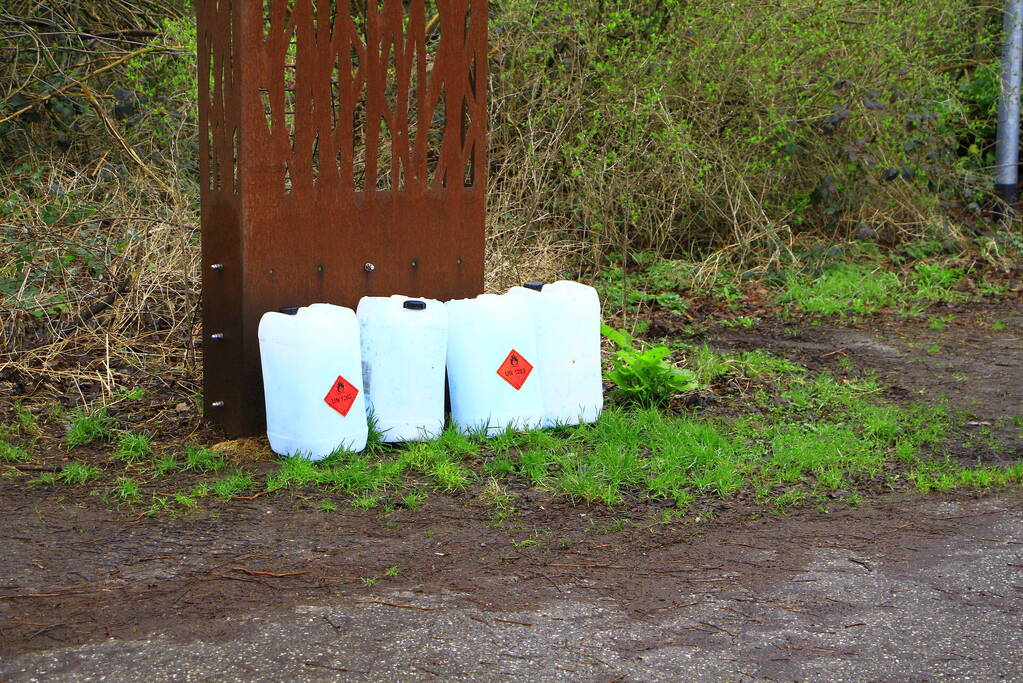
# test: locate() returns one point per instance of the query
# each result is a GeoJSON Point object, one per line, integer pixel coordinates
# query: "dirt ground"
{"type": "Point", "coordinates": [77, 571]}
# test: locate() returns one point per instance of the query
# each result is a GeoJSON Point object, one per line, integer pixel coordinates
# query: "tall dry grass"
{"type": "Point", "coordinates": [98, 200]}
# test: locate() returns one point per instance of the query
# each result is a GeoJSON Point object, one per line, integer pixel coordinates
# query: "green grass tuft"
{"type": "Point", "coordinates": [164, 465]}
{"type": "Point", "coordinates": [133, 446]}
{"type": "Point", "coordinates": [186, 501]}
{"type": "Point", "coordinates": [87, 426]}
{"type": "Point", "coordinates": [202, 459]}
{"type": "Point", "coordinates": [10, 452]}
{"type": "Point", "coordinates": [127, 490]}
{"type": "Point", "coordinates": [229, 486]}
{"type": "Point", "coordinates": [78, 473]}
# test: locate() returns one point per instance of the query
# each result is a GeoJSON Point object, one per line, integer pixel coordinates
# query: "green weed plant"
{"type": "Point", "coordinates": [643, 376]}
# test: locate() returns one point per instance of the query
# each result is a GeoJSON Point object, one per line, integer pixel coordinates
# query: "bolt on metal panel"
{"type": "Point", "coordinates": [342, 154]}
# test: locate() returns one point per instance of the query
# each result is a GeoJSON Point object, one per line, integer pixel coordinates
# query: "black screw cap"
{"type": "Point", "coordinates": [415, 305]}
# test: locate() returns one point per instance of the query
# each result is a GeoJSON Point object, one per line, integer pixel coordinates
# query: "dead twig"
{"type": "Point", "coordinates": [98, 307]}
{"type": "Point", "coordinates": [715, 626]}
{"type": "Point", "coordinates": [257, 495]}
{"type": "Point", "coordinates": [242, 578]}
{"type": "Point", "coordinates": [44, 629]}
{"type": "Point", "coordinates": [80, 81]}
{"type": "Point", "coordinates": [325, 666]}
{"type": "Point", "coordinates": [394, 604]}
{"type": "Point", "coordinates": [60, 591]}
{"type": "Point", "coordinates": [861, 563]}
{"type": "Point", "coordinates": [253, 572]}
{"type": "Point", "coordinates": [102, 114]}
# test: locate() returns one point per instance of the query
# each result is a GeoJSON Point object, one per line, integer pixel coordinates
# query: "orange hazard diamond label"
{"type": "Point", "coordinates": [341, 395]}
{"type": "Point", "coordinates": [515, 369]}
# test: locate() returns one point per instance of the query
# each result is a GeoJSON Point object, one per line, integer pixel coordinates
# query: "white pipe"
{"type": "Point", "coordinates": [1007, 145]}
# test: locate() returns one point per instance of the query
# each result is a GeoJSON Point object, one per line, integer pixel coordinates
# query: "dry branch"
{"type": "Point", "coordinates": [64, 88]}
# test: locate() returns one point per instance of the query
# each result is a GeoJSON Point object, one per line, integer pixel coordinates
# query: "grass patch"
{"type": "Point", "coordinates": [934, 282]}
{"type": "Point", "coordinates": [802, 438]}
{"type": "Point", "coordinates": [439, 460]}
{"type": "Point", "coordinates": [24, 424]}
{"type": "Point", "coordinates": [742, 322]}
{"type": "Point", "coordinates": [791, 438]}
{"type": "Point", "coordinates": [846, 288]}
{"type": "Point", "coordinates": [86, 426]}
{"type": "Point", "coordinates": [133, 447]}
{"type": "Point", "coordinates": [857, 290]}
{"type": "Point", "coordinates": [78, 473]}
{"type": "Point", "coordinates": [164, 465]}
{"type": "Point", "coordinates": [202, 459]}
{"type": "Point", "coordinates": [47, 479]}
{"type": "Point", "coordinates": [365, 502]}
{"type": "Point", "coordinates": [10, 452]}
{"type": "Point", "coordinates": [947, 476]}
{"type": "Point", "coordinates": [229, 486]}
{"type": "Point", "coordinates": [413, 500]}
{"type": "Point", "coordinates": [186, 501]}
{"type": "Point", "coordinates": [126, 491]}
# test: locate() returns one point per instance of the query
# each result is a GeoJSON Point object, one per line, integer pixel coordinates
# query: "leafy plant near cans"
{"type": "Point", "coordinates": [643, 376]}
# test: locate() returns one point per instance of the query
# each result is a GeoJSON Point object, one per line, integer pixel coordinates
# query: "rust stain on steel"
{"type": "Point", "coordinates": [342, 154]}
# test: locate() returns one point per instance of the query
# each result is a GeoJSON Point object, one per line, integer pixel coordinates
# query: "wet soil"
{"type": "Point", "coordinates": [78, 569]}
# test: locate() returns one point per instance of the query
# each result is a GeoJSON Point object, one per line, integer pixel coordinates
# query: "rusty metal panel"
{"type": "Point", "coordinates": [343, 153]}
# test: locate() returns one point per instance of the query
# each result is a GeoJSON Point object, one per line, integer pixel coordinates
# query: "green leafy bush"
{"type": "Point", "coordinates": [644, 376]}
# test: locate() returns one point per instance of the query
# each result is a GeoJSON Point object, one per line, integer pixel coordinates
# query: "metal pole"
{"type": "Point", "coordinates": [1007, 147]}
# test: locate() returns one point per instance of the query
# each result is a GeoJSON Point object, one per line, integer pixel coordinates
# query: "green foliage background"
{"type": "Point", "coordinates": [684, 124]}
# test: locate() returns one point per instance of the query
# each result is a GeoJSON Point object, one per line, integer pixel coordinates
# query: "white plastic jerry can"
{"type": "Point", "coordinates": [567, 319]}
{"type": "Point", "coordinates": [404, 348]}
{"type": "Point", "coordinates": [312, 381]}
{"type": "Point", "coordinates": [493, 373]}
